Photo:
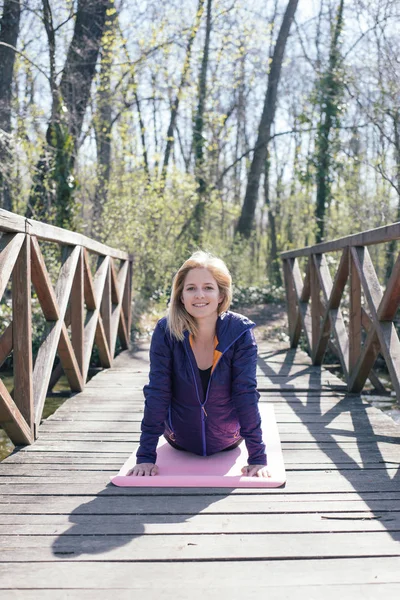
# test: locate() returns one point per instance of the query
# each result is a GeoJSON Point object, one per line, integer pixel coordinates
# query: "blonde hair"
{"type": "Point", "coordinates": [178, 318]}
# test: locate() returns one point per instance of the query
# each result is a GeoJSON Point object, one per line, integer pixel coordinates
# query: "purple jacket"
{"type": "Point", "coordinates": [175, 403]}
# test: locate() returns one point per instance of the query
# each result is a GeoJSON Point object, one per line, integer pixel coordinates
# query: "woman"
{"type": "Point", "coordinates": [202, 391]}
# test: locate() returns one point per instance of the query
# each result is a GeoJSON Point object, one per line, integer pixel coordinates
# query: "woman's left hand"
{"type": "Point", "coordinates": [256, 471]}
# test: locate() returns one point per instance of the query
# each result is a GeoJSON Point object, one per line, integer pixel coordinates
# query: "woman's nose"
{"type": "Point", "coordinates": [199, 294]}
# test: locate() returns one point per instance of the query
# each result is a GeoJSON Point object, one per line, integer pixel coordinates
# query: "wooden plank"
{"type": "Point", "coordinates": [46, 353]}
{"type": "Point", "coordinates": [102, 345]}
{"type": "Point", "coordinates": [200, 547]}
{"type": "Point", "coordinates": [15, 223]}
{"type": "Point", "coordinates": [127, 304]}
{"type": "Point", "coordinates": [69, 362]}
{"type": "Point", "coordinates": [303, 305]}
{"type": "Point", "coordinates": [315, 307]}
{"type": "Point", "coordinates": [201, 524]}
{"type": "Point", "coordinates": [123, 332]}
{"type": "Point", "coordinates": [333, 319]}
{"type": "Point", "coordinates": [105, 310]}
{"type": "Point", "coordinates": [365, 362]}
{"type": "Point", "coordinates": [10, 246]}
{"type": "Point", "coordinates": [355, 318]}
{"type": "Point", "coordinates": [11, 419]}
{"type": "Point", "coordinates": [306, 291]}
{"type": "Point", "coordinates": [42, 283]}
{"type": "Point", "coordinates": [152, 587]}
{"type": "Point", "coordinates": [216, 579]}
{"type": "Point", "coordinates": [77, 312]}
{"type": "Point", "coordinates": [6, 343]}
{"type": "Point", "coordinates": [118, 321]}
{"type": "Point", "coordinates": [93, 316]}
{"type": "Point", "coordinates": [89, 291]}
{"type": "Point", "coordinates": [220, 502]}
{"type": "Point", "coordinates": [367, 275]}
{"type": "Point", "coordinates": [22, 338]}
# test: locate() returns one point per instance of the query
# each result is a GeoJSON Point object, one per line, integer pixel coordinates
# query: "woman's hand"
{"type": "Point", "coordinates": [256, 471]}
{"type": "Point", "coordinates": [145, 469]}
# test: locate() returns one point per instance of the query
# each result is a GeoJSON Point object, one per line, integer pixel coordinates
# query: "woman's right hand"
{"type": "Point", "coordinates": [145, 469]}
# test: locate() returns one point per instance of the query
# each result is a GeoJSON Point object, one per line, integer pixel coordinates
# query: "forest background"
{"type": "Point", "coordinates": [245, 127]}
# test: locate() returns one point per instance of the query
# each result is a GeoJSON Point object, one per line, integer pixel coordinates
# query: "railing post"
{"type": "Point", "coordinates": [77, 312]}
{"type": "Point", "coordinates": [22, 334]}
{"type": "Point", "coordinates": [315, 306]}
{"type": "Point", "coordinates": [294, 321]}
{"type": "Point", "coordinates": [355, 316]}
{"type": "Point", "coordinates": [127, 301]}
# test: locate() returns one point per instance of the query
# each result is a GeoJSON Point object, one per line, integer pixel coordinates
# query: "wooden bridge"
{"type": "Point", "coordinates": [332, 531]}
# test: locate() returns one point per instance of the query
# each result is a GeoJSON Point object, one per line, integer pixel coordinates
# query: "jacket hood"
{"type": "Point", "coordinates": [230, 326]}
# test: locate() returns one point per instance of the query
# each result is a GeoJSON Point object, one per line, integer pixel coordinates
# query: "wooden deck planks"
{"type": "Point", "coordinates": [333, 530]}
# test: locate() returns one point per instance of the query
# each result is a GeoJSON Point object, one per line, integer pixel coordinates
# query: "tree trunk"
{"type": "Point", "coordinates": [391, 250]}
{"type": "Point", "coordinates": [329, 110]}
{"type": "Point", "coordinates": [175, 103]}
{"type": "Point", "coordinates": [198, 139]}
{"type": "Point", "coordinates": [245, 223]}
{"type": "Point", "coordinates": [103, 124]}
{"type": "Point", "coordinates": [54, 179]}
{"type": "Point", "coordinates": [273, 266]}
{"type": "Point", "coordinates": [9, 30]}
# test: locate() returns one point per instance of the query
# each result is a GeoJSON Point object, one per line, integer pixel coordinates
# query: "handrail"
{"type": "Point", "coordinates": [80, 310]}
{"type": "Point", "coordinates": [313, 305]}
{"type": "Point", "coordinates": [371, 237]}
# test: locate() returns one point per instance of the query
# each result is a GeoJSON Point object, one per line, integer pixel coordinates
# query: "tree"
{"type": "Point", "coordinates": [103, 120]}
{"type": "Point", "coordinates": [176, 101]}
{"type": "Point", "coordinates": [9, 30]}
{"type": "Point", "coordinates": [54, 178]}
{"type": "Point", "coordinates": [330, 91]}
{"type": "Point", "coordinates": [245, 223]}
{"type": "Point", "coordinates": [198, 136]}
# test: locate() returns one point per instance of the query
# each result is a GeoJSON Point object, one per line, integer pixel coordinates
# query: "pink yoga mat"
{"type": "Point", "coordinates": [183, 469]}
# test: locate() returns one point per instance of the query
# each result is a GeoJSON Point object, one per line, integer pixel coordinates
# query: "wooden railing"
{"type": "Point", "coordinates": [80, 310]}
{"type": "Point", "coordinates": [314, 306]}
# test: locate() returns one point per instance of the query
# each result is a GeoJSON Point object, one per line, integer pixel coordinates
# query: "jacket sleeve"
{"type": "Point", "coordinates": [157, 395]}
{"type": "Point", "coordinates": [245, 397]}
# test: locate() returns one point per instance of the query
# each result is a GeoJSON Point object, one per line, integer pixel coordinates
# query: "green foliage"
{"type": "Point", "coordinates": [249, 296]}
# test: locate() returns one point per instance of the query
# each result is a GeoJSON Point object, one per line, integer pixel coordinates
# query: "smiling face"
{"type": "Point", "coordinates": [201, 294]}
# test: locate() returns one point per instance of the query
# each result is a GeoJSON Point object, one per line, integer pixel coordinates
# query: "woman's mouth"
{"type": "Point", "coordinates": [200, 305]}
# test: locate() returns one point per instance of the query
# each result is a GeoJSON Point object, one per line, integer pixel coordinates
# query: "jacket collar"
{"type": "Point", "coordinates": [230, 326]}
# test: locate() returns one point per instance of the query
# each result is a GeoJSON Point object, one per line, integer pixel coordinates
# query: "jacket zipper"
{"type": "Point", "coordinates": [204, 413]}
